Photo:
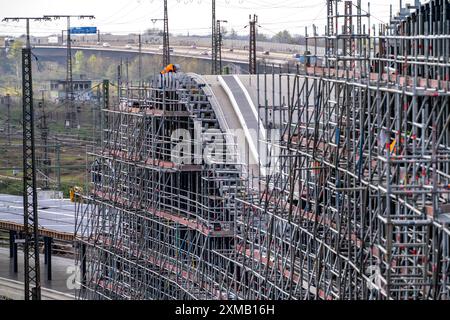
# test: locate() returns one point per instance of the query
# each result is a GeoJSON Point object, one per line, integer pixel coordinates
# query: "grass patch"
{"type": "Point", "coordinates": [13, 187]}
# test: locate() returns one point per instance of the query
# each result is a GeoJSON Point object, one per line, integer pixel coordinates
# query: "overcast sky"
{"type": "Point", "coordinates": [193, 16]}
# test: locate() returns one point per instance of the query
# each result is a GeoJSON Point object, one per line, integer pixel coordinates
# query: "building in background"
{"type": "Point", "coordinates": [81, 88]}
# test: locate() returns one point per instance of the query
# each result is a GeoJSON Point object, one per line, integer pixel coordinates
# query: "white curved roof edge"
{"type": "Point", "coordinates": [219, 114]}
{"type": "Point", "coordinates": [252, 105]}
{"type": "Point", "coordinates": [251, 142]}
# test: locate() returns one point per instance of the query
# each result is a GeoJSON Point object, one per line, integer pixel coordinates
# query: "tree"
{"type": "Point", "coordinates": [223, 31]}
{"type": "Point", "coordinates": [233, 34]}
{"type": "Point", "coordinates": [79, 62]}
{"type": "Point", "coordinates": [282, 37]}
{"type": "Point", "coordinates": [15, 50]}
{"type": "Point", "coordinates": [261, 37]}
{"type": "Point", "coordinates": [111, 72]}
{"type": "Point", "coordinates": [14, 55]}
{"type": "Point", "coordinates": [151, 31]}
{"type": "Point", "coordinates": [93, 65]}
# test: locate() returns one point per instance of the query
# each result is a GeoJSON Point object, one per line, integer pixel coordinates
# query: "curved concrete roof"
{"type": "Point", "coordinates": [238, 98]}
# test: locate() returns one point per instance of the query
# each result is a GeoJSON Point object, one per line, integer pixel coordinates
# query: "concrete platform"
{"type": "Point", "coordinates": [62, 282]}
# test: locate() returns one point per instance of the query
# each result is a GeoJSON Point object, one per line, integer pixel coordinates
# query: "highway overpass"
{"type": "Point", "coordinates": [235, 57]}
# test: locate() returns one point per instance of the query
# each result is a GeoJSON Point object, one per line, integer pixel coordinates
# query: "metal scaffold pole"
{"type": "Point", "coordinates": [140, 59]}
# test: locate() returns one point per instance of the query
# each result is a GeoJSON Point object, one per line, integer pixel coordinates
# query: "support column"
{"type": "Point", "coordinates": [45, 250]}
{"type": "Point", "coordinates": [83, 264]}
{"type": "Point", "coordinates": [12, 237]}
{"type": "Point", "coordinates": [15, 264]}
{"type": "Point", "coordinates": [48, 256]}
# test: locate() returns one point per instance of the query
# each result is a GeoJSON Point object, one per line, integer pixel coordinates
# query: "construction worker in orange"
{"type": "Point", "coordinates": [171, 68]}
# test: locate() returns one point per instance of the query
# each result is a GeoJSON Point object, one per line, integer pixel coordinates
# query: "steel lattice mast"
{"type": "Point", "coordinates": [166, 42]}
{"type": "Point", "coordinates": [218, 46]}
{"type": "Point", "coordinates": [32, 280]}
{"type": "Point", "coordinates": [213, 39]}
{"type": "Point", "coordinates": [252, 46]}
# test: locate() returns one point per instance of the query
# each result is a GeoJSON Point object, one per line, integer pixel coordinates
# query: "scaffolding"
{"type": "Point", "coordinates": [353, 204]}
{"type": "Point", "coordinates": [358, 205]}
{"type": "Point", "coordinates": [157, 210]}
